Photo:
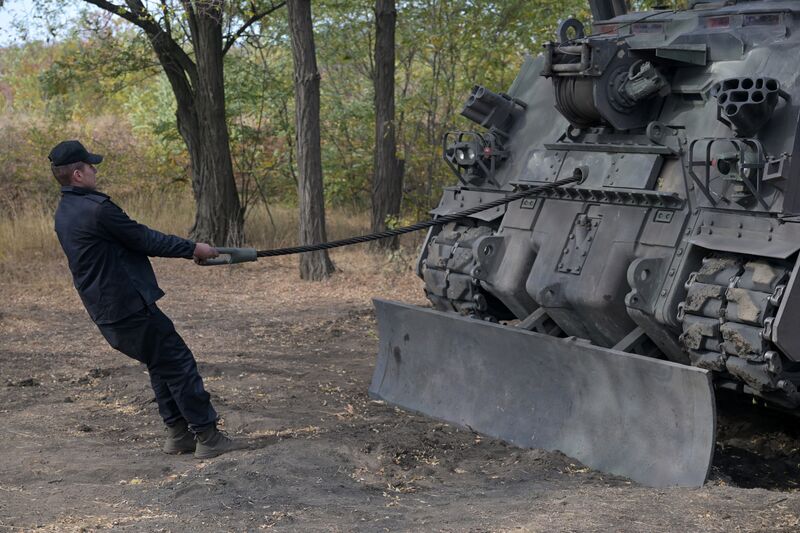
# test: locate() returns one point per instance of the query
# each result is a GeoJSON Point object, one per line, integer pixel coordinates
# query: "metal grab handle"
{"type": "Point", "coordinates": [233, 255]}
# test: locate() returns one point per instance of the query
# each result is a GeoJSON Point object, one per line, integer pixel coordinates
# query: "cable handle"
{"type": "Point", "coordinates": [230, 256]}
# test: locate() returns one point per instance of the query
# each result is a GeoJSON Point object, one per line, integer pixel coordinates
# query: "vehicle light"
{"type": "Point", "coordinates": [718, 22]}
{"type": "Point", "coordinates": [762, 19]}
{"type": "Point", "coordinates": [604, 29]}
{"type": "Point", "coordinates": [647, 27]}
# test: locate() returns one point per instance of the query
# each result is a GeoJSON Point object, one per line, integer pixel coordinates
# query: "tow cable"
{"type": "Point", "coordinates": [243, 255]}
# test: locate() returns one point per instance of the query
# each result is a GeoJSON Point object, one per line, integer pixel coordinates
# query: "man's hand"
{"type": "Point", "coordinates": [203, 251]}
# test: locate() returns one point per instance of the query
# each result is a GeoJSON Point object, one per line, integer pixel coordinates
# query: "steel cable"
{"type": "Point", "coordinates": [419, 225]}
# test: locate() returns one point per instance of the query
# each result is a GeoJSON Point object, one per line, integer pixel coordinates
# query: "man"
{"type": "Point", "coordinates": [108, 254]}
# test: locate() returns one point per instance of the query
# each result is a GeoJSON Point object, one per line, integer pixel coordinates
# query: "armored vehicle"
{"type": "Point", "coordinates": [598, 315]}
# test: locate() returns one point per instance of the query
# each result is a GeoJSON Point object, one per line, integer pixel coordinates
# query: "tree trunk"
{"type": "Point", "coordinates": [198, 86]}
{"type": "Point", "coordinates": [314, 265]}
{"type": "Point", "coordinates": [220, 217]}
{"type": "Point", "coordinates": [387, 183]}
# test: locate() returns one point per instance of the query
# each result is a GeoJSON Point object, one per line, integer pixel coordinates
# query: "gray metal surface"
{"type": "Point", "coordinates": [681, 240]}
{"type": "Point", "coordinates": [649, 420]}
{"type": "Point", "coordinates": [683, 127]}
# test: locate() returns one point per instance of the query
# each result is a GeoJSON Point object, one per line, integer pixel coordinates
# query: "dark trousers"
{"type": "Point", "coordinates": [149, 336]}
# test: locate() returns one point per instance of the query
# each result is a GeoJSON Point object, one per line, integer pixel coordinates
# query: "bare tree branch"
{"type": "Point", "coordinates": [191, 17]}
{"type": "Point", "coordinates": [165, 13]}
{"type": "Point", "coordinates": [249, 22]}
{"type": "Point", "coordinates": [136, 14]}
{"type": "Point", "coordinates": [135, 18]}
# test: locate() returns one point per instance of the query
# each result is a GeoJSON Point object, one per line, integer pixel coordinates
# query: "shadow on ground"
{"type": "Point", "coordinates": [757, 447]}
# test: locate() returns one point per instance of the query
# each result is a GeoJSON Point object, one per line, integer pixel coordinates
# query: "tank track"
{"type": "Point", "coordinates": [447, 271]}
{"type": "Point", "coordinates": [727, 319]}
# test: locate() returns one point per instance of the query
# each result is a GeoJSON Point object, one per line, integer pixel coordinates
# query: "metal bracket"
{"type": "Point", "coordinates": [644, 277]}
{"type": "Point", "coordinates": [636, 342]}
{"type": "Point", "coordinates": [741, 146]}
{"type": "Point", "coordinates": [579, 241]}
{"type": "Point", "coordinates": [540, 322]}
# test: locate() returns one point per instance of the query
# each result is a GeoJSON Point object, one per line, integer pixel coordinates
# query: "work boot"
{"type": "Point", "coordinates": [179, 439]}
{"type": "Point", "coordinates": [212, 442]}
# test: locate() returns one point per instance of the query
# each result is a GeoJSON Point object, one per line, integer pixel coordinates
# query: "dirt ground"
{"type": "Point", "coordinates": [288, 364]}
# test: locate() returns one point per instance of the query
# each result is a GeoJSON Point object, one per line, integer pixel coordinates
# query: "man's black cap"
{"type": "Point", "coordinates": [68, 152]}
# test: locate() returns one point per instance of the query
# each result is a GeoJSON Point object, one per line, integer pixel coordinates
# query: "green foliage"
{"type": "Point", "coordinates": [61, 91]}
{"type": "Point", "coordinates": [258, 99]}
{"type": "Point", "coordinates": [102, 84]}
{"type": "Point", "coordinates": [644, 5]}
{"type": "Point", "coordinates": [445, 47]}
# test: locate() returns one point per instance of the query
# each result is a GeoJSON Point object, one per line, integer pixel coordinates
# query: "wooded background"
{"type": "Point", "coordinates": [110, 78]}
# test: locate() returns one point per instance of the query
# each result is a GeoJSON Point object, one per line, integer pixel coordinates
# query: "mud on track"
{"type": "Point", "coordinates": [288, 364]}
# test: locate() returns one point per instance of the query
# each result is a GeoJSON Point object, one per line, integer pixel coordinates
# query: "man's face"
{"type": "Point", "coordinates": [85, 177]}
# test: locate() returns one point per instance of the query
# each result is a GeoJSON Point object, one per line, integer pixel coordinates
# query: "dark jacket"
{"type": "Point", "coordinates": [108, 254]}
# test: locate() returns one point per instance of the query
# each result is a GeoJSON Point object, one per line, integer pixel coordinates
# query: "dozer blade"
{"type": "Point", "coordinates": [649, 420]}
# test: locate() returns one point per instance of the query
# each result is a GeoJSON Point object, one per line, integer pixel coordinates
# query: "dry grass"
{"type": "Point", "coordinates": [30, 253]}
{"type": "Point", "coordinates": [27, 235]}
{"type": "Point", "coordinates": [264, 228]}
